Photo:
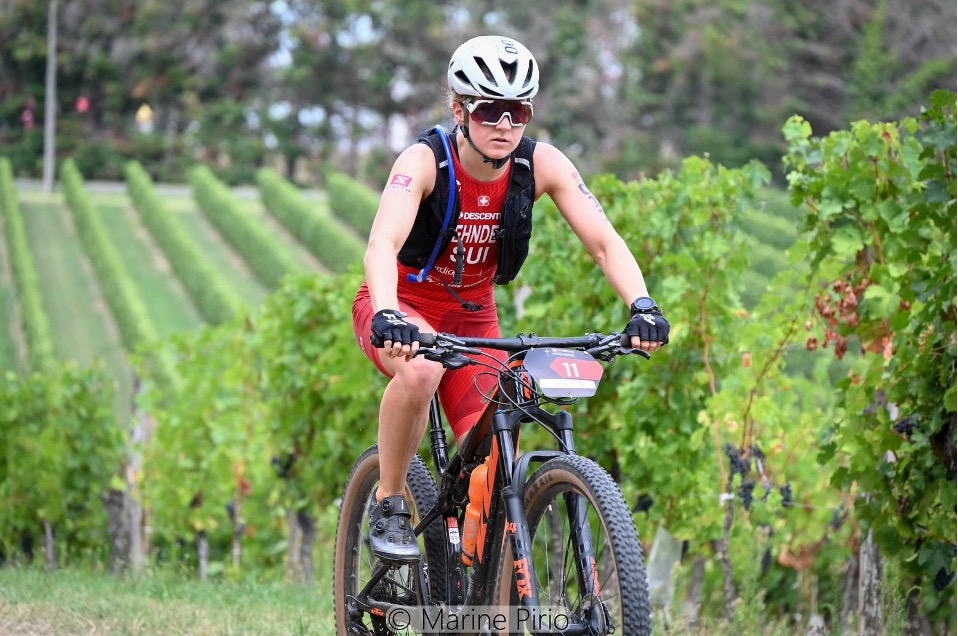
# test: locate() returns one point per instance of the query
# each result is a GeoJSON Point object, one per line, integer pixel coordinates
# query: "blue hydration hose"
{"type": "Point", "coordinates": [424, 273]}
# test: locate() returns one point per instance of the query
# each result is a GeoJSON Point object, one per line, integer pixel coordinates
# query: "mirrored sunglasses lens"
{"type": "Point", "coordinates": [521, 113]}
{"type": "Point", "coordinates": [492, 112]}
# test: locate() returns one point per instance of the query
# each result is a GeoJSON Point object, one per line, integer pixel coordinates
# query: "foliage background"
{"type": "Point", "coordinates": [628, 86]}
{"type": "Point", "coordinates": [792, 419]}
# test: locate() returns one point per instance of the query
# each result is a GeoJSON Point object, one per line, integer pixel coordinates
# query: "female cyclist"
{"type": "Point", "coordinates": [499, 174]}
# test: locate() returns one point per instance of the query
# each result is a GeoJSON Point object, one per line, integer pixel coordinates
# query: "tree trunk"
{"type": "Point", "coordinates": [239, 529]}
{"type": "Point", "coordinates": [308, 526]}
{"type": "Point", "coordinates": [693, 602]}
{"type": "Point", "coordinates": [119, 530]}
{"type": "Point", "coordinates": [137, 553]}
{"type": "Point", "coordinates": [816, 626]}
{"type": "Point", "coordinates": [293, 551]}
{"type": "Point", "coordinates": [816, 622]}
{"type": "Point", "coordinates": [147, 530]}
{"type": "Point", "coordinates": [730, 592]}
{"type": "Point", "coordinates": [203, 550]}
{"type": "Point", "coordinates": [850, 596]}
{"type": "Point", "coordinates": [51, 545]}
{"type": "Point", "coordinates": [917, 623]}
{"type": "Point", "coordinates": [140, 436]}
{"type": "Point", "coordinates": [871, 621]}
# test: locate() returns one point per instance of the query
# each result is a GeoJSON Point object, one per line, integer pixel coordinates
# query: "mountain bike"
{"type": "Point", "coordinates": [556, 552]}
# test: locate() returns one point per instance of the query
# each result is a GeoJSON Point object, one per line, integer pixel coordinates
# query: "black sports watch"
{"type": "Point", "coordinates": [643, 305]}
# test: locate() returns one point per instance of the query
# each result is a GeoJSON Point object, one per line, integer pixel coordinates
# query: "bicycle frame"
{"type": "Point", "coordinates": [496, 435]}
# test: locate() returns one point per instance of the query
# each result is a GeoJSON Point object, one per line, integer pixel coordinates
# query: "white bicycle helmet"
{"type": "Point", "coordinates": [494, 67]}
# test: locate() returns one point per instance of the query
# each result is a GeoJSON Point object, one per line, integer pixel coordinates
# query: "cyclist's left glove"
{"type": "Point", "coordinates": [647, 322]}
{"type": "Point", "coordinates": [389, 324]}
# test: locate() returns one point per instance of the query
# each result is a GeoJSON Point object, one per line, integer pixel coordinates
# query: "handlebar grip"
{"type": "Point", "coordinates": [625, 341]}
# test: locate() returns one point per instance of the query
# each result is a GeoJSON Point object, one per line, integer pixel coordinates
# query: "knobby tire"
{"type": "Point", "coordinates": [354, 561]}
{"type": "Point", "coordinates": [620, 562]}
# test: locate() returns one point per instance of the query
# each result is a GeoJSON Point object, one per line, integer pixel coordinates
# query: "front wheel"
{"type": "Point", "coordinates": [354, 562]}
{"type": "Point", "coordinates": [609, 591]}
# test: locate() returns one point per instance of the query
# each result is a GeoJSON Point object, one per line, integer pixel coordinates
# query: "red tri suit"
{"type": "Point", "coordinates": [479, 220]}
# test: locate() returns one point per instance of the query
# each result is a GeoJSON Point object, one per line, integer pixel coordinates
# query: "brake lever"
{"type": "Point", "coordinates": [446, 357]}
{"type": "Point", "coordinates": [630, 351]}
{"type": "Point", "coordinates": [626, 349]}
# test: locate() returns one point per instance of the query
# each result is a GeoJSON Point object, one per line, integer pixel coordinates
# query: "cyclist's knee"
{"type": "Point", "coordinates": [419, 376]}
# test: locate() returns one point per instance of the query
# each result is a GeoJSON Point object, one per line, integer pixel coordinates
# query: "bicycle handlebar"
{"type": "Point", "coordinates": [597, 344]}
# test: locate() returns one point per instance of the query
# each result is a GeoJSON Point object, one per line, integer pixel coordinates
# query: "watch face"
{"type": "Point", "coordinates": [643, 304]}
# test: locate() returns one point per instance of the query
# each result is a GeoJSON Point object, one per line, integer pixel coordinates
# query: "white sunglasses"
{"type": "Point", "coordinates": [490, 112]}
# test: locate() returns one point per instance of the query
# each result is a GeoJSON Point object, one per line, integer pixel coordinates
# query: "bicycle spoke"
{"type": "Point", "coordinates": [356, 564]}
{"type": "Point", "coordinates": [591, 589]}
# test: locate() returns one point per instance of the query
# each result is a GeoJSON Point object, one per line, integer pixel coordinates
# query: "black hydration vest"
{"type": "Point", "coordinates": [515, 226]}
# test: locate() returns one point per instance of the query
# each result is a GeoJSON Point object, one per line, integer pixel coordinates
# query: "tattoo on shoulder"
{"type": "Point", "coordinates": [400, 182]}
{"type": "Point", "coordinates": [584, 189]}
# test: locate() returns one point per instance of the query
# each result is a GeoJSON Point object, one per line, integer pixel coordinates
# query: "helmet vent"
{"type": "Point", "coordinates": [529, 73]}
{"type": "Point", "coordinates": [481, 63]}
{"type": "Point", "coordinates": [489, 92]}
{"type": "Point", "coordinates": [511, 70]}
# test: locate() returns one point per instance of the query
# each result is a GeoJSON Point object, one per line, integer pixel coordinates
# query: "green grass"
{"type": "Point", "coordinates": [778, 203]}
{"type": "Point", "coordinates": [77, 601]}
{"type": "Point", "coordinates": [770, 230]}
{"type": "Point", "coordinates": [82, 326]}
{"type": "Point", "coordinates": [35, 602]}
{"type": "Point", "coordinates": [777, 231]}
{"type": "Point", "coordinates": [754, 286]}
{"type": "Point", "coordinates": [300, 251]}
{"type": "Point", "coordinates": [767, 259]}
{"type": "Point", "coordinates": [224, 258]}
{"type": "Point", "coordinates": [168, 303]}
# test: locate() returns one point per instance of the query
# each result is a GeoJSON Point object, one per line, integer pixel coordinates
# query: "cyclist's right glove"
{"type": "Point", "coordinates": [388, 324]}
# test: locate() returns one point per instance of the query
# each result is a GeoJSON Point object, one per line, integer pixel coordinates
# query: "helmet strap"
{"type": "Point", "coordinates": [496, 163]}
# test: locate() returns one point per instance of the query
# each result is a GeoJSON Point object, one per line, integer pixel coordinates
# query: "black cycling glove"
{"type": "Point", "coordinates": [388, 324]}
{"type": "Point", "coordinates": [650, 326]}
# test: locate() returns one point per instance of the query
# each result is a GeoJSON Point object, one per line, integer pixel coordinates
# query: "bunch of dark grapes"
{"type": "Point", "coordinates": [284, 465]}
{"type": "Point", "coordinates": [786, 491]}
{"type": "Point", "coordinates": [739, 466]}
{"type": "Point", "coordinates": [906, 426]}
{"type": "Point", "coordinates": [766, 560]}
{"type": "Point", "coordinates": [745, 492]}
{"type": "Point", "coordinates": [943, 579]}
{"type": "Point", "coordinates": [644, 503]}
{"type": "Point", "coordinates": [838, 519]}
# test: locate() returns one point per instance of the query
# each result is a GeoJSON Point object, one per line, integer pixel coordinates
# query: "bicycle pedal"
{"type": "Point", "coordinates": [358, 629]}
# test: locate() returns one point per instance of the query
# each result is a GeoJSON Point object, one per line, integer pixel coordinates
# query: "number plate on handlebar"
{"type": "Point", "coordinates": [564, 372]}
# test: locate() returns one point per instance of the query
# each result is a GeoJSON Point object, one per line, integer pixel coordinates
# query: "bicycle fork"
{"type": "Point", "coordinates": [520, 536]}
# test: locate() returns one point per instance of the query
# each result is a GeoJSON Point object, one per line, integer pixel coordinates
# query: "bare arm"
{"type": "Point", "coordinates": [558, 177]}
{"type": "Point", "coordinates": [412, 178]}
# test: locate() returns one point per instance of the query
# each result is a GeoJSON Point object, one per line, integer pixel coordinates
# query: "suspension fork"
{"type": "Point", "coordinates": [583, 548]}
{"type": "Point", "coordinates": [517, 527]}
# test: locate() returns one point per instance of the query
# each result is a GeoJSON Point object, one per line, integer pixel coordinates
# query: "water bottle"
{"type": "Point", "coordinates": [470, 528]}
